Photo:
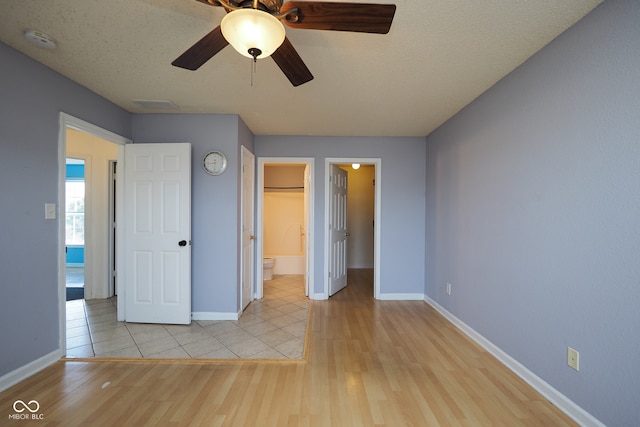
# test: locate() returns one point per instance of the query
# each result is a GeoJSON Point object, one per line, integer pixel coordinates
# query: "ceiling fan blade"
{"type": "Point", "coordinates": [202, 51]}
{"type": "Point", "coordinates": [357, 17]}
{"type": "Point", "coordinates": [291, 64]}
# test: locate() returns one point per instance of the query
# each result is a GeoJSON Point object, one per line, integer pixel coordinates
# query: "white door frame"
{"type": "Point", "coordinates": [309, 264]}
{"type": "Point", "coordinates": [377, 162]}
{"type": "Point", "coordinates": [113, 188]}
{"type": "Point", "coordinates": [68, 121]}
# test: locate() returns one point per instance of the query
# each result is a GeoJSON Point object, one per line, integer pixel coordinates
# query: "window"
{"type": "Point", "coordinates": [74, 212]}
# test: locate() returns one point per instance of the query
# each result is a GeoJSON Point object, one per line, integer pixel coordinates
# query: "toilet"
{"type": "Point", "coordinates": [267, 267]}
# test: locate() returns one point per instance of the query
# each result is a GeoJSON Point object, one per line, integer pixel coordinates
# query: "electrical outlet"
{"type": "Point", "coordinates": [573, 358]}
{"type": "Point", "coordinates": [448, 288]}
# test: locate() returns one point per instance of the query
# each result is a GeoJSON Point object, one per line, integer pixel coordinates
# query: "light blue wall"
{"type": "Point", "coordinates": [215, 201]}
{"type": "Point", "coordinates": [402, 249]}
{"type": "Point", "coordinates": [32, 98]}
{"type": "Point", "coordinates": [533, 213]}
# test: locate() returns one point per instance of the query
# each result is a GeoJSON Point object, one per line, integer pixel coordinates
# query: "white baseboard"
{"type": "Point", "coordinates": [401, 297]}
{"type": "Point", "coordinates": [387, 297]}
{"type": "Point", "coordinates": [212, 315]}
{"type": "Point", "coordinates": [561, 401]}
{"type": "Point", "coordinates": [24, 372]}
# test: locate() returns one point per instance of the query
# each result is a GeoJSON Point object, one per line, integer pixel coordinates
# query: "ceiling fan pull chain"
{"type": "Point", "coordinates": [253, 70]}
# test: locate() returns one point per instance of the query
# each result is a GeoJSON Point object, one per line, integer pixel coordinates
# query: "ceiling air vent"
{"type": "Point", "coordinates": [155, 104]}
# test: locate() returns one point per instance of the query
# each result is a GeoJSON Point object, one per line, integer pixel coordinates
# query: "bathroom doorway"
{"type": "Point", "coordinates": [284, 220]}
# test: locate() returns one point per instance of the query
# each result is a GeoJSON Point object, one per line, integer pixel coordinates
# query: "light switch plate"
{"type": "Point", "coordinates": [573, 358]}
{"type": "Point", "coordinates": [49, 211]}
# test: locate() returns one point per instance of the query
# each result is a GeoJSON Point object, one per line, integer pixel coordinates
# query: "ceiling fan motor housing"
{"type": "Point", "coordinates": [271, 6]}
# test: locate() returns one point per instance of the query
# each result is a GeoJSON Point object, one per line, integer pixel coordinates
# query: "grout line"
{"type": "Point", "coordinates": [279, 291]}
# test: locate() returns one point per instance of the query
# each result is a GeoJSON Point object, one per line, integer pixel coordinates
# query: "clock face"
{"type": "Point", "coordinates": [214, 163]}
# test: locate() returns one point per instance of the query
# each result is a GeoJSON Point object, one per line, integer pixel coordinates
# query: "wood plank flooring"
{"type": "Point", "coordinates": [369, 363]}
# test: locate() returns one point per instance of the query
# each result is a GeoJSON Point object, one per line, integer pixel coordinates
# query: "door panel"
{"type": "Point", "coordinates": [248, 233]}
{"type": "Point", "coordinates": [338, 230]}
{"type": "Point", "coordinates": [157, 250]}
{"type": "Point", "coordinates": [307, 221]}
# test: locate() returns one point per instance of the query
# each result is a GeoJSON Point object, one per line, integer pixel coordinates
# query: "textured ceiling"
{"type": "Point", "coordinates": [438, 57]}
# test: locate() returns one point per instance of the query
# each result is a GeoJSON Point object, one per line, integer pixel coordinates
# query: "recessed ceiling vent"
{"type": "Point", "coordinates": [155, 104]}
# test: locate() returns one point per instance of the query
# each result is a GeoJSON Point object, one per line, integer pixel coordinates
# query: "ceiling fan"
{"type": "Point", "coordinates": [355, 17]}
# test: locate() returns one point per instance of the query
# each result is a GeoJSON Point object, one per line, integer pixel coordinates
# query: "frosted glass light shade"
{"type": "Point", "coordinates": [245, 29]}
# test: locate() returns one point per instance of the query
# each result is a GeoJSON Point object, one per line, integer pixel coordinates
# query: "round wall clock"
{"type": "Point", "coordinates": [214, 162]}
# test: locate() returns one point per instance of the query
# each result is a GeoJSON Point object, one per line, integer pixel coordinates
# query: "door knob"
{"type": "Point", "coordinates": [347, 234]}
{"type": "Point", "coordinates": [252, 237]}
{"type": "Point", "coordinates": [182, 243]}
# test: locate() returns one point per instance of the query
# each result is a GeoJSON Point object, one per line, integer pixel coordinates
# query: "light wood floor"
{"type": "Point", "coordinates": [369, 363]}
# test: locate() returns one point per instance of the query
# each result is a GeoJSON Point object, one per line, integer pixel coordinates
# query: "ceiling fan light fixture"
{"type": "Point", "coordinates": [252, 32]}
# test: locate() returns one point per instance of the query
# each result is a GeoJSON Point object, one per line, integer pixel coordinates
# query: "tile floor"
{"type": "Point", "coordinates": [271, 328]}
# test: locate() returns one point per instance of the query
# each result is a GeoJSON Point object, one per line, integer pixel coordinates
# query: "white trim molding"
{"type": "Point", "coordinates": [14, 377]}
{"type": "Point", "coordinates": [401, 297]}
{"type": "Point", "coordinates": [558, 399]}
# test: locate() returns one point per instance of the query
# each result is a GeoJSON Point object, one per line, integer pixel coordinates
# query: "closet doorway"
{"type": "Point", "coordinates": [362, 251]}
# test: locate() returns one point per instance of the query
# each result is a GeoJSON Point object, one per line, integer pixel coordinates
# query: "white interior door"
{"type": "Point", "coordinates": [338, 229]}
{"type": "Point", "coordinates": [305, 237]}
{"type": "Point", "coordinates": [248, 234]}
{"type": "Point", "coordinates": [157, 233]}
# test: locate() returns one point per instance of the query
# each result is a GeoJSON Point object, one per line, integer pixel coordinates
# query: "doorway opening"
{"type": "Point", "coordinates": [355, 244]}
{"type": "Point", "coordinates": [74, 227]}
{"type": "Point", "coordinates": [87, 223]}
{"type": "Point", "coordinates": [284, 221]}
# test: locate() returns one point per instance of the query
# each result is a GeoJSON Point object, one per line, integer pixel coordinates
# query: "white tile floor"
{"type": "Point", "coordinates": [271, 328]}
